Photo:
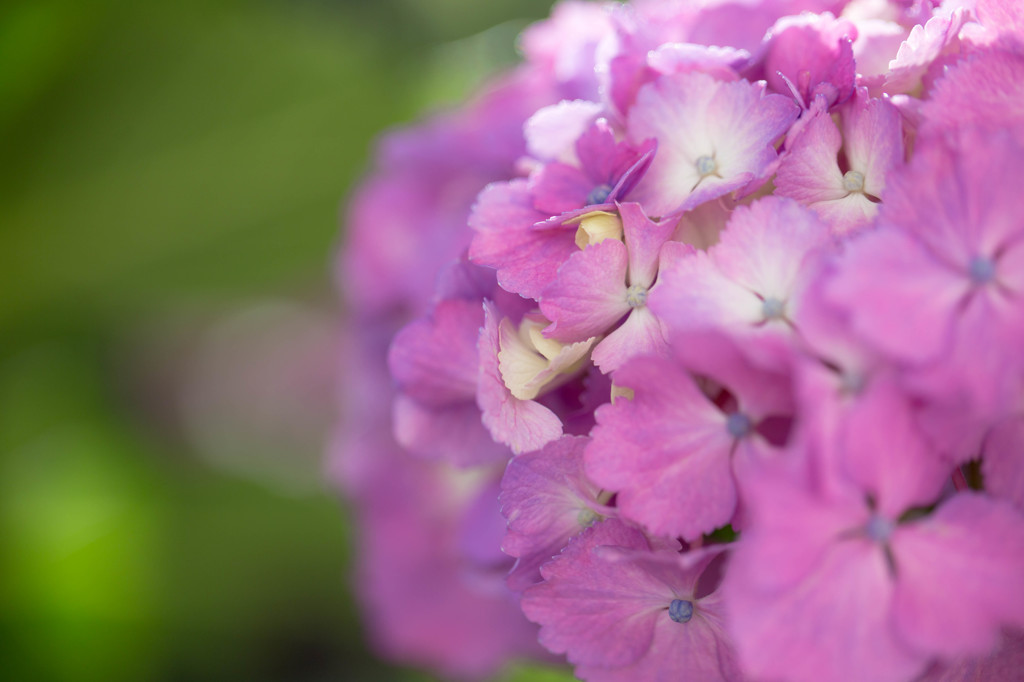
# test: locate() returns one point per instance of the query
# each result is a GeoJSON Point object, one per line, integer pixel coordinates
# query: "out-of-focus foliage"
{"type": "Point", "coordinates": [165, 165]}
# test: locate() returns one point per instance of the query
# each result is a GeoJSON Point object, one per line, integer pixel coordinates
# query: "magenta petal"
{"type": "Point", "coordinates": [693, 293]}
{"type": "Point", "coordinates": [453, 433]}
{"type": "Point", "coordinates": [523, 425]}
{"type": "Point", "coordinates": [885, 452]}
{"type": "Point", "coordinates": [809, 172]}
{"type": "Point", "coordinates": [644, 239]}
{"type": "Point", "coordinates": [701, 651]}
{"type": "Point", "coordinates": [558, 187]}
{"type": "Point", "coordinates": [547, 499]}
{"type": "Point", "coordinates": [873, 138]}
{"type": "Point", "coordinates": [1002, 665]}
{"type": "Point", "coordinates": [434, 359]}
{"type": "Point", "coordinates": [987, 88]}
{"type": "Point", "coordinates": [589, 295]}
{"type": "Point", "coordinates": [835, 621]}
{"type": "Point", "coordinates": [713, 138]}
{"type": "Point", "coordinates": [604, 160]}
{"type": "Point", "coordinates": [674, 474]}
{"type": "Point", "coordinates": [1002, 463]}
{"type": "Point", "coordinates": [900, 299]}
{"type": "Point", "coordinates": [596, 610]}
{"type": "Point", "coordinates": [810, 51]}
{"type": "Point", "coordinates": [641, 334]}
{"type": "Point", "coordinates": [960, 576]}
{"type": "Point", "coordinates": [765, 245]}
{"type": "Point", "coordinates": [554, 129]}
{"type": "Point", "coordinates": [526, 259]}
{"type": "Point", "coordinates": [924, 45]}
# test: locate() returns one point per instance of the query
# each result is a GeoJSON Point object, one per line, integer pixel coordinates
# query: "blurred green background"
{"type": "Point", "coordinates": [172, 177]}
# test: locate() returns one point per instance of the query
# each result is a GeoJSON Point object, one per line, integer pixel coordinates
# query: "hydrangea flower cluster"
{"type": "Point", "coordinates": [693, 348]}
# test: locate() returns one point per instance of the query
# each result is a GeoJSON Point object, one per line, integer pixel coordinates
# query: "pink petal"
{"type": "Point", "coordinates": [925, 44]}
{"type": "Point", "coordinates": [834, 622]}
{"type": "Point", "coordinates": [809, 172]}
{"type": "Point", "coordinates": [960, 576]}
{"type": "Point", "coordinates": [812, 51]}
{"type": "Point", "coordinates": [694, 117]}
{"type": "Point", "coordinates": [720, 62]}
{"type": "Point", "coordinates": [589, 295]}
{"type": "Point", "coordinates": [1002, 463]}
{"type": "Point", "coordinates": [792, 527]}
{"type": "Point", "coordinates": [641, 334]}
{"type": "Point", "coordinates": [873, 140]}
{"type": "Point", "coordinates": [594, 610]}
{"type": "Point", "coordinates": [644, 239]}
{"type": "Point", "coordinates": [886, 454]}
{"type": "Point", "coordinates": [453, 433]}
{"type": "Point", "coordinates": [547, 499]}
{"type": "Point", "coordinates": [1002, 665]}
{"type": "Point", "coordinates": [434, 359]}
{"type": "Point", "coordinates": [766, 244]}
{"type": "Point", "coordinates": [760, 384]}
{"type": "Point", "coordinates": [701, 651]}
{"type": "Point", "coordinates": [552, 131]}
{"type": "Point", "coordinates": [899, 298]}
{"type": "Point", "coordinates": [523, 425]}
{"type": "Point", "coordinates": [987, 88]}
{"type": "Point", "coordinates": [693, 293]}
{"type": "Point", "coordinates": [558, 187]}
{"type": "Point", "coordinates": [526, 259]}
{"type": "Point", "coordinates": [674, 475]}
{"type": "Point", "coordinates": [957, 196]}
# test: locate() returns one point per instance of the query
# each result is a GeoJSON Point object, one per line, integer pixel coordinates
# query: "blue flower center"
{"type": "Point", "coordinates": [599, 195]}
{"type": "Point", "coordinates": [738, 425]}
{"type": "Point", "coordinates": [706, 165]}
{"type": "Point", "coordinates": [982, 270]}
{"type": "Point", "coordinates": [680, 610]}
{"type": "Point", "coordinates": [772, 308]}
{"type": "Point", "coordinates": [879, 529]}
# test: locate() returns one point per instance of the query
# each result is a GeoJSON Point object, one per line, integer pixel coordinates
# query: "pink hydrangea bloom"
{"type": "Point", "coordinates": [616, 605]}
{"type": "Point", "coordinates": [869, 144]}
{"type": "Point", "coordinates": [750, 281]}
{"type": "Point", "coordinates": [739, 315]}
{"type": "Point", "coordinates": [812, 55]}
{"type": "Point", "coordinates": [864, 589]}
{"type": "Point", "coordinates": [609, 281]}
{"type": "Point", "coordinates": [526, 228]}
{"type": "Point", "coordinates": [675, 475]}
{"type": "Point", "coordinates": [944, 282]}
{"type": "Point", "coordinates": [547, 499]}
{"type": "Point", "coordinates": [713, 138]}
